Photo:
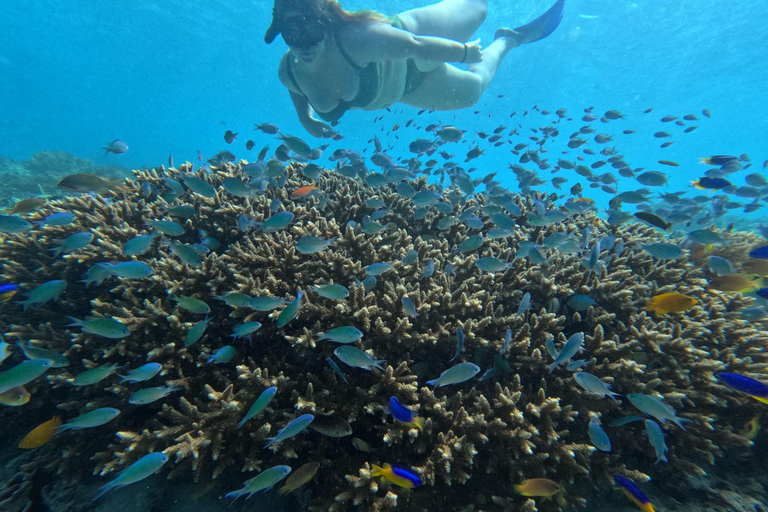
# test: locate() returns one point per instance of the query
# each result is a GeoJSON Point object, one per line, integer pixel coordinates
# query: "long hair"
{"type": "Point", "coordinates": [329, 11]}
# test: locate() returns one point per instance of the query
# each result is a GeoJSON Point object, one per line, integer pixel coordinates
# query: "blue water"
{"type": "Point", "coordinates": [170, 77]}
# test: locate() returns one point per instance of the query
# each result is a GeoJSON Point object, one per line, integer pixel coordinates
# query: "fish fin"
{"type": "Point", "coordinates": [539, 28]}
{"type": "Point", "coordinates": [283, 490]}
{"type": "Point", "coordinates": [433, 382]}
{"type": "Point", "coordinates": [378, 471]}
{"type": "Point", "coordinates": [105, 489]}
{"type": "Point", "coordinates": [760, 398]}
{"type": "Point", "coordinates": [418, 422]}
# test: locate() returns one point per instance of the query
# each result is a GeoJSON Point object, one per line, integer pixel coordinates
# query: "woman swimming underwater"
{"type": "Point", "coordinates": [340, 60]}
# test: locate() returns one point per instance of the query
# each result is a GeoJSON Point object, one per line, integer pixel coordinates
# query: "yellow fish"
{"type": "Point", "coordinates": [743, 283]}
{"type": "Point", "coordinates": [537, 487]}
{"type": "Point", "coordinates": [299, 477]}
{"type": "Point", "coordinates": [751, 429]}
{"type": "Point", "coordinates": [41, 434]}
{"type": "Point", "coordinates": [670, 303]}
{"type": "Point", "coordinates": [15, 397]}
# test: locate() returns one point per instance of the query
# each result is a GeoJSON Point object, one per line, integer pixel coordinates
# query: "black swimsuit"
{"type": "Point", "coordinates": [368, 88]}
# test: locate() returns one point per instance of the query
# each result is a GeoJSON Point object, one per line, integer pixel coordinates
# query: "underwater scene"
{"type": "Point", "coordinates": [472, 255]}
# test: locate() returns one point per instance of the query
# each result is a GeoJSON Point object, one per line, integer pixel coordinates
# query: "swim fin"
{"type": "Point", "coordinates": [542, 26]}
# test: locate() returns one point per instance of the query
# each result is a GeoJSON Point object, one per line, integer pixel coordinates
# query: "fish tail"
{"type": "Point", "coordinates": [377, 471]}
{"type": "Point", "coordinates": [271, 441]}
{"type": "Point", "coordinates": [433, 382]}
{"type": "Point", "coordinates": [284, 490]}
{"type": "Point", "coordinates": [103, 490]}
{"type": "Point", "coordinates": [418, 422]}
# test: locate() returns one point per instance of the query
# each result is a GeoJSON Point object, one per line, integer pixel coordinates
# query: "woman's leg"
{"type": "Point", "coordinates": [450, 88]}
{"type": "Point", "coordinates": [451, 19]}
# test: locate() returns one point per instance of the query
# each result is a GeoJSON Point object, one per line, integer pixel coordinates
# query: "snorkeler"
{"type": "Point", "coordinates": [340, 60]}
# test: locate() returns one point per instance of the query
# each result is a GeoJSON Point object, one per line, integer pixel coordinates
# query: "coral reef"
{"type": "Point", "coordinates": [521, 422]}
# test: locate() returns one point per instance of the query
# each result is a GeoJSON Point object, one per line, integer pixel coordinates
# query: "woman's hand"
{"type": "Point", "coordinates": [474, 52]}
{"type": "Point", "coordinates": [316, 128]}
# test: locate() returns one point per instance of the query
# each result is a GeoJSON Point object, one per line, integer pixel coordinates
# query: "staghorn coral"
{"type": "Point", "coordinates": [520, 423]}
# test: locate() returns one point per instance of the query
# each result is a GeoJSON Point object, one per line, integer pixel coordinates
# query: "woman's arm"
{"type": "Point", "coordinates": [304, 110]}
{"type": "Point", "coordinates": [376, 41]}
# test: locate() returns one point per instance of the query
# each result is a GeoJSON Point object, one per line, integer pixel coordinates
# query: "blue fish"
{"type": "Point", "coordinates": [7, 291]}
{"type": "Point", "coordinates": [404, 415]}
{"type": "Point", "coordinates": [409, 307]}
{"type": "Point", "coordinates": [459, 343]}
{"type": "Point", "coordinates": [746, 385]}
{"type": "Point", "coordinates": [761, 253]}
{"type": "Point", "coordinates": [634, 493]}
{"type": "Point", "coordinates": [507, 340]}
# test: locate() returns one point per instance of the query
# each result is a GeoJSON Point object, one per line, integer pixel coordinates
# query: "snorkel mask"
{"type": "Point", "coordinates": [299, 30]}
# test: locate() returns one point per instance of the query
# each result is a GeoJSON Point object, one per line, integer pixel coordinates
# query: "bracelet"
{"type": "Point", "coordinates": [465, 53]}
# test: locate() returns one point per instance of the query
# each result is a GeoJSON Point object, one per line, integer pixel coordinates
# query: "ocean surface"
{"type": "Point", "coordinates": [170, 78]}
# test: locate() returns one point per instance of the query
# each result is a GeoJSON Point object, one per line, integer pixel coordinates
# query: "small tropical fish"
{"type": "Point", "coordinates": [304, 191]}
{"type": "Point", "coordinates": [131, 269]}
{"type": "Point", "coordinates": [91, 419]}
{"type": "Point", "coordinates": [41, 434]}
{"type": "Point", "coordinates": [331, 426]}
{"type": "Point", "coordinates": [470, 244]}
{"type": "Point", "coordinates": [537, 487]}
{"type": "Point", "coordinates": [7, 291]}
{"type": "Point", "coordinates": [57, 219]}
{"type": "Point", "coordinates": [238, 300]}
{"type": "Point", "coordinates": [30, 352]}
{"type": "Point", "coordinates": [331, 291]}
{"type": "Point", "coordinates": [580, 302]}
{"type": "Point", "coordinates": [429, 271]}
{"type": "Point", "coordinates": [397, 475]}
{"type": "Point", "coordinates": [22, 373]}
{"type": "Point", "coordinates": [670, 303]}
{"type": "Point", "coordinates": [718, 160]}
{"type": "Point", "coordinates": [462, 372]}
{"type": "Point", "coordinates": [259, 405]}
{"type": "Point", "coordinates": [653, 406]}
{"type": "Point", "coordinates": [361, 445]}
{"type": "Point", "coordinates": [752, 428]}
{"type": "Point", "coordinates": [491, 264]}
{"type": "Point", "coordinates": [759, 253]}
{"type": "Point", "coordinates": [663, 251]}
{"type": "Point", "coordinates": [73, 243]}
{"type": "Point", "coordinates": [290, 311]}
{"type": "Point", "coordinates": [376, 269]}
{"type": "Point", "coordinates": [719, 265]}
{"type": "Point", "coordinates": [625, 420]}
{"type": "Point", "coordinates": [15, 397]}
{"type": "Point", "coordinates": [199, 186]}
{"type": "Point", "coordinates": [142, 373]}
{"type": "Point", "coordinates": [13, 224]}
{"type": "Point", "coordinates": [94, 375]}
{"type": "Point", "coordinates": [277, 222]}
{"type": "Point", "coordinates": [404, 415]}
{"type": "Point", "coordinates": [167, 227]}
{"type": "Point", "coordinates": [192, 304]}
{"type": "Point", "coordinates": [25, 206]}
{"type": "Point", "coordinates": [299, 478]}
{"type": "Point", "coordinates": [346, 334]}
{"type": "Point", "coordinates": [656, 437]}
{"type": "Point", "coordinates": [245, 329]}
{"type": "Point", "coordinates": [117, 147]}
{"type": "Point", "coordinates": [711, 183]}
{"type": "Point", "coordinates": [139, 245]}
{"type": "Point", "coordinates": [224, 355]}
{"type": "Point", "coordinates": [313, 244]}
{"type": "Point", "coordinates": [634, 493]}
{"type": "Point", "coordinates": [570, 349]}
{"type": "Point", "coordinates": [139, 470]}
{"type": "Point", "coordinates": [746, 385]}
{"type": "Point", "coordinates": [593, 384]}
{"type": "Point", "coordinates": [459, 343]}
{"type": "Point", "coordinates": [196, 332]}
{"type": "Point", "coordinates": [409, 307]}
{"type": "Point", "coordinates": [43, 293]}
{"type": "Point", "coordinates": [507, 340]}
{"type": "Point", "coordinates": [106, 327]}
{"type": "Point", "coordinates": [264, 303]}
{"type": "Point", "coordinates": [654, 220]}
{"type": "Point", "coordinates": [598, 436]}
{"type": "Point", "coordinates": [742, 283]}
{"type": "Point", "coordinates": [357, 358]}
{"type": "Point", "coordinates": [149, 395]}
{"type": "Point", "coordinates": [293, 428]}
{"type": "Point", "coordinates": [264, 481]}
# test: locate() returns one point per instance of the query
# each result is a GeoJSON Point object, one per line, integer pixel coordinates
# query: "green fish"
{"type": "Point", "coordinates": [146, 466]}
{"type": "Point", "coordinates": [22, 373]}
{"type": "Point", "coordinates": [43, 293]}
{"type": "Point", "coordinates": [290, 311]}
{"type": "Point", "coordinates": [192, 304]}
{"type": "Point", "coordinates": [94, 375]}
{"type": "Point", "coordinates": [139, 245]}
{"type": "Point", "coordinates": [357, 358]}
{"type": "Point", "coordinates": [167, 227]}
{"type": "Point", "coordinates": [199, 186]}
{"type": "Point", "coordinates": [149, 395]}
{"type": "Point", "coordinates": [106, 327]}
{"type": "Point", "coordinates": [331, 291]}
{"type": "Point", "coordinates": [259, 405]}
{"type": "Point", "coordinates": [196, 332]}
{"type": "Point", "coordinates": [346, 334]}
{"type": "Point", "coordinates": [57, 360]}
{"type": "Point", "coordinates": [265, 303]}
{"type": "Point", "coordinates": [186, 254]}
{"type": "Point", "coordinates": [91, 419]}
{"type": "Point", "coordinates": [238, 300]}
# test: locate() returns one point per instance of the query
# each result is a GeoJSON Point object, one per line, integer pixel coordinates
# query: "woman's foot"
{"type": "Point", "coordinates": [512, 37]}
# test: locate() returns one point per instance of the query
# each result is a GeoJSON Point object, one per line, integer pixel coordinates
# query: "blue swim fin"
{"type": "Point", "coordinates": [542, 26]}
